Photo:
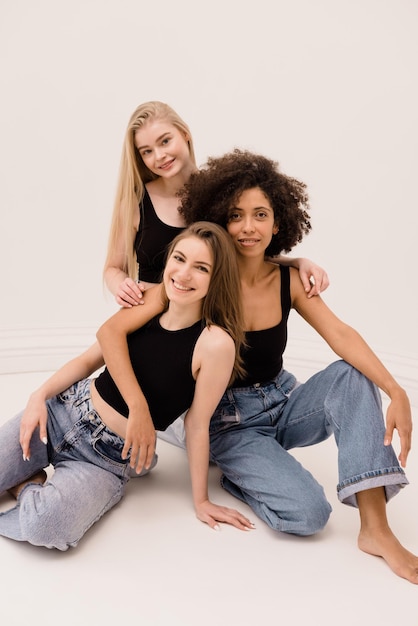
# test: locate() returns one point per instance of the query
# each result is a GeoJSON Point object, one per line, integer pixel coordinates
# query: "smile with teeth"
{"type": "Point", "coordinates": [248, 242]}
{"type": "Point", "coordinates": [166, 164]}
{"type": "Point", "coordinates": [181, 287]}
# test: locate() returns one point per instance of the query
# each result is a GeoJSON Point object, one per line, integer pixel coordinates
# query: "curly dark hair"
{"type": "Point", "coordinates": [212, 191]}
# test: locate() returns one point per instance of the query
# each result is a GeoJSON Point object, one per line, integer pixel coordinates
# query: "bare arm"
{"type": "Point", "coordinates": [216, 354]}
{"type": "Point", "coordinates": [127, 292]}
{"type": "Point", "coordinates": [314, 278]}
{"type": "Point", "coordinates": [35, 413]}
{"type": "Point", "coordinates": [112, 336]}
{"type": "Point", "coordinates": [348, 344]}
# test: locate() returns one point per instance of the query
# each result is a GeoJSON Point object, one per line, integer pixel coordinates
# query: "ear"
{"type": "Point", "coordinates": [275, 229]}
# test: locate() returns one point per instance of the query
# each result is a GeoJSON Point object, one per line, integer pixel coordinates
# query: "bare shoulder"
{"type": "Point", "coordinates": [214, 338]}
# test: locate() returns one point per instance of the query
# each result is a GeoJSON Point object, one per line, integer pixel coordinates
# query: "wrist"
{"type": "Point", "coordinates": [395, 391]}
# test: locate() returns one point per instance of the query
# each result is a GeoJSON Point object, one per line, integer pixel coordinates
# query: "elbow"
{"type": "Point", "coordinates": [103, 332]}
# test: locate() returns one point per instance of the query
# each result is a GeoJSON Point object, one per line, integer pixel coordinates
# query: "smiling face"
{"type": "Point", "coordinates": [251, 223]}
{"type": "Point", "coordinates": [188, 271]}
{"type": "Point", "coordinates": [163, 148]}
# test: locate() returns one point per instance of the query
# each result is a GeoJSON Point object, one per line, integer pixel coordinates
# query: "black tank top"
{"type": "Point", "coordinates": [263, 356]}
{"type": "Point", "coordinates": [151, 241]}
{"type": "Point", "coordinates": [162, 362]}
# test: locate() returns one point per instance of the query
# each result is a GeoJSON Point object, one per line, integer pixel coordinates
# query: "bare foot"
{"type": "Point", "coordinates": [39, 477]}
{"type": "Point", "coordinates": [383, 543]}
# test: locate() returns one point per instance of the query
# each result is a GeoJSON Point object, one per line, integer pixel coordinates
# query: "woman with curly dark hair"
{"type": "Point", "coordinates": [212, 191]}
{"type": "Point", "coordinates": [265, 412]}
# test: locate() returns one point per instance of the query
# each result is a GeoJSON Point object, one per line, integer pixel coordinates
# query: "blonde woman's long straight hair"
{"type": "Point", "coordinates": [222, 305]}
{"type": "Point", "coordinates": [133, 175]}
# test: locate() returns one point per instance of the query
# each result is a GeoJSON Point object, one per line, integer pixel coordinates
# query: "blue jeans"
{"type": "Point", "coordinates": [253, 428]}
{"type": "Point", "coordinates": [88, 480]}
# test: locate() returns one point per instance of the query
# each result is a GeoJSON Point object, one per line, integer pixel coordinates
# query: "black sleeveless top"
{"type": "Point", "coordinates": [162, 362]}
{"type": "Point", "coordinates": [263, 356]}
{"type": "Point", "coordinates": [151, 241]}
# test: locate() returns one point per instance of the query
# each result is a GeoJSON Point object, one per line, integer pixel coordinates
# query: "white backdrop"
{"type": "Point", "coordinates": [326, 87]}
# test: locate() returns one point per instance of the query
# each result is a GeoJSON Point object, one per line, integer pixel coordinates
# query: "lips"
{"type": "Point", "coordinates": [248, 242]}
{"type": "Point", "coordinates": [166, 165]}
{"type": "Point", "coordinates": [181, 287]}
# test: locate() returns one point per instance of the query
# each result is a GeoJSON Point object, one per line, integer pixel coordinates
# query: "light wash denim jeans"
{"type": "Point", "coordinates": [253, 428]}
{"type": "Point", "coordinates": [89, 474]}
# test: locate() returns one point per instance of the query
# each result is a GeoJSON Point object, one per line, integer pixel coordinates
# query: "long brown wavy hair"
{"type": "Point", "coordinates": [222, 305]}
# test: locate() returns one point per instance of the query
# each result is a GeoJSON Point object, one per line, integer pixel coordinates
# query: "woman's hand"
{"type": "Point", "coordinates": [34, 416]}
{"type": "Point", "coordinates": [211, 514]}
{"type": "Point", "coordinates": [314, 278]}
{"type": "Point", "coordinates": [399, 416]}
{"type": "Point", "coordinates": [140, 441]}
{"type": "Point", "coordinates": [129, 293]}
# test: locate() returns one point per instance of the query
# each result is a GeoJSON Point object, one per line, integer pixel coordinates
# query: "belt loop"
{"type": "Point", "coordinates": [230, 395]}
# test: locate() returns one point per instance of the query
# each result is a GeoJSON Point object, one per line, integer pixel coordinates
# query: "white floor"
{"type": "Point", "coordinates": [149, 562]}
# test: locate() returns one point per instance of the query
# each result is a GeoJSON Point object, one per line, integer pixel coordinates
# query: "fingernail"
{"type": "Point", "coordinates": [217, 527]}
{"type": "Point", "coordinates": [44, 440]}
{"type": "Point", "coordinates": [25, 458]}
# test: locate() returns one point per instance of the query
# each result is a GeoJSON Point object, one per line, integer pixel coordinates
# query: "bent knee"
{"type": "Point", "coordinates": [304, 520]}
{"type": "Point", "coordinates": [43, 527]}
{"type": "Point", "coordinates": [314, 519]}
{"type": "Point", "coordinates": [47, 522]}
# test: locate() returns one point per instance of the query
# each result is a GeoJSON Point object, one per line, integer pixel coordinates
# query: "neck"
{"type": "Point", "coordinates": [170, 186]}
{"type": "Point", "coordinates": [251, 269]}
{"type": "Point", "coordinates": [177, 316]}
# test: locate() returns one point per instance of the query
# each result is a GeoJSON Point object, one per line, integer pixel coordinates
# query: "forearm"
{"type": "Point", "coordinates": [114, 344]}
{"type": "Point", "coordinates": [281, 259]}
{"type": "Point", "coordinates": [113, 340]}
{"type": "Point", "coordinates": [351, 347]}
{"type": "Point", "coordinates": [197, 443]}
{"type": "Point", "coordinates": [113, 277]}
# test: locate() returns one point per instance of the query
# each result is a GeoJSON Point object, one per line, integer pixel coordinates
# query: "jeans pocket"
{"type": "Point", "coordinates": [226, 416]}
{"type": "Point", "coordinates": [109, 448]}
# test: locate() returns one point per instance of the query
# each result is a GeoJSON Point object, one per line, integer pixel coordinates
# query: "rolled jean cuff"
{"type": "Point", "coordinates": [393, 479]}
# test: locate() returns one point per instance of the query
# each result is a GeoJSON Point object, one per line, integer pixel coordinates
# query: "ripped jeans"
{"type": "Point", "coordinates": [89, 473]}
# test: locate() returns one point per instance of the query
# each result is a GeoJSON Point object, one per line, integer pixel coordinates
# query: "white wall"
{"type": "Point", "coordinates": [327, 87]}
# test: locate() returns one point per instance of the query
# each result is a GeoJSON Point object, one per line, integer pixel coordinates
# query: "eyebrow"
{"type": "Point", "coordinates": [256, 208]}
{"type": "Point", "coordinates": [184, 256]}
{"type": "Point", "coordinates": [158, 139]}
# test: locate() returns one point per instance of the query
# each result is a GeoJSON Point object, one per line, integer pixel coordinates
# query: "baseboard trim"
{"type": "Point", "coordinates": [41, 349]}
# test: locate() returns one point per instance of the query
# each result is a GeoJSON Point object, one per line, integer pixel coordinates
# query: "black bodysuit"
{"type": "Point", "coordinates": [162, 362]}
{"type": "Point", "coordinates": [151, 242]}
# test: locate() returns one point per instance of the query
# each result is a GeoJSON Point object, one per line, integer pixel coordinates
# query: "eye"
{"type": "Point", "coordinates": [203, 268]}
{"type": "Point", "coordinates": [261, 214]}
{"type": "Point", "coordinates": [166, 140]}
{"type": "Point", "coordinates": [145, 152]}
{"type": "Point", "coordinates": [233, 216]}
{"type": "Point", "coordinates": [178, 257]}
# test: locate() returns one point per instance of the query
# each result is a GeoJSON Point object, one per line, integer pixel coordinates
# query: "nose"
{"type": "Point", "coordinates": [248, 225]}
{"type": "Point", "coordinates": [185, 273]}
{"type": "Point", "coordinates": [159, 153]}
